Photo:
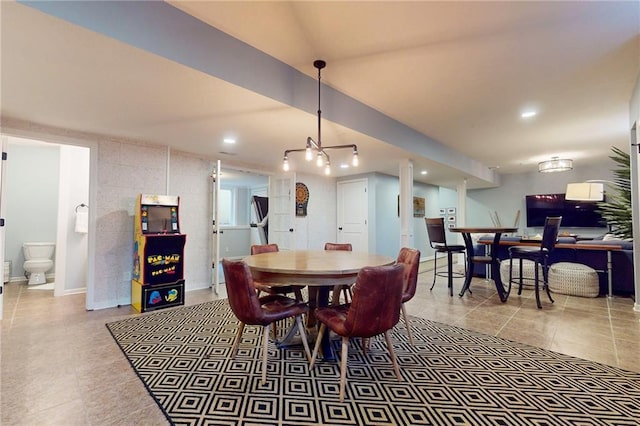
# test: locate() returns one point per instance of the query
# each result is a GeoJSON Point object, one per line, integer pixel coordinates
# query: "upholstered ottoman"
{"type": "Point", "coordinates": [527, 268]}
{"type": "Point", "coordinates": [574, 279]}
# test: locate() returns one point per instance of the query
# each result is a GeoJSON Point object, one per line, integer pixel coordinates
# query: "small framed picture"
{"type": "Point", "coordinates": [442, 212]}
{"type": "Point", "coordinates": [451, 210]}
{"type": "Point", "coordinates": [451, 225]}
{"type": "Point", "coordinates": [451, 219]}
{"type": "Point", "coordinates": [418, 206]}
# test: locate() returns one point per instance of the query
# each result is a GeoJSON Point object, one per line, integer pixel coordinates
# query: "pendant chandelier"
{"type": "Point", "coordinates": [314, 148]}
{"type": "Point", "coordinates": [555, 165]}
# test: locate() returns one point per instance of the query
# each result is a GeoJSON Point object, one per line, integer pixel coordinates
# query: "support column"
{"type": "Point", "coordinates": [406, 204]}
{"type": "Point", "coordinates": [461, 189]}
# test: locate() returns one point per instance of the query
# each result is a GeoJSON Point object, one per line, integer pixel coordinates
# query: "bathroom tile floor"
{"type": "Point", "coordinates": [60, 366]}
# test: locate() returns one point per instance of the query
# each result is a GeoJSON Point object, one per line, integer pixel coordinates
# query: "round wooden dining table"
{"type": "Point", "coordinates": [319, 270]}
{"type": "Point", "coordinates": [312, 267]}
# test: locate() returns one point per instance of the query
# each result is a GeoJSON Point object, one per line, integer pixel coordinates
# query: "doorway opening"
{"type": "Point", "coordinates": [46, 196]}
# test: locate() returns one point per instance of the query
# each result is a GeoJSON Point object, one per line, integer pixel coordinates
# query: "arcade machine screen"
{"type": "Point", "coordinates": [160, 219]}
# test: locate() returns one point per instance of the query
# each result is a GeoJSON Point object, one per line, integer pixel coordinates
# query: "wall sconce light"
{"type": "Point", "coordinates": [585, 191]}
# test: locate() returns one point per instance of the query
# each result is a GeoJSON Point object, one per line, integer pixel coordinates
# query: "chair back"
{"type": "Point", "coordinates": [550, 233]}
{"type": "Point", "coordinates": [264, 248]}
{"type": "Point", "coordinates": [242, 294]}
{"type": "Point", "coordinates": [377, 300]}
{"type": "Point", "coordinates": [436, 232]}
{"type": "Point", "coordinates": [410, 260]}
{"type": "Point", "coordinates": [338, 246]}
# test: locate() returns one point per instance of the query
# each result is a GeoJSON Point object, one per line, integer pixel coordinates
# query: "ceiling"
{"type": "Point", "coordinates": [460, 73]}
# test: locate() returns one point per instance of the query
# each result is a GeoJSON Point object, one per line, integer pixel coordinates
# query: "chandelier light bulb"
{"type": "Point", "coordinates": [319, 161]}
{"type": "Point", "coordinates": [308, 155]}
{"type": "Point", "coordinates": [327, 169]}
{"type": "Point", "coordinates": [285, 164]}
{"type": "Point", "coordinates": [354, 161]}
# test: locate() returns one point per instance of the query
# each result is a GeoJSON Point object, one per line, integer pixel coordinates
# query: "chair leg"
{"type": "Point", "coordinates": [317, 345]}
{"type": "Point", "coordinates": [303, 336]}
{"type": "Point", "coordinates": [236, 343]}
{"type": "Point", "coordinates": [335, 294]}
{"type": "Point", "coordinates": [343, 366]}
{"type": "Point", "coordinates": [364, 343]}
{"type": "Point", "coordinates": [392, 355]}
{"type": "Point", "coordinates": [348, 293]}
{"type": "Point", "coordinates": [510, 271]}
{"type": "Point", "coordinates": [536, 284]}
{"type": "Point", "coordinates": [450, 272]}
{"type": "Point", "coordinates": [406, 324]}
{"type": "Point", "coordinates": [435, 269]}
{"type": "Point", "coordinates": [521, 274]}
{"type": "Point", "coordinates": [265, 346]}
{"type": "Point", "coordinates": [545, 274]}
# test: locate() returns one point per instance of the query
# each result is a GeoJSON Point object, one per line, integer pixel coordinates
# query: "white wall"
{"type": "Point", "coordinates": [73, 191]}
{"type": "Point", "coordinates": [126, 169]}
{"type": "Point", "coordinates": [189, 178]}
{"type": "Point", "coordinates": [510, 196]}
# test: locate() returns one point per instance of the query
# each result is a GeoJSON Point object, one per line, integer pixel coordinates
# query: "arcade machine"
{"type": "Point", "coordinates": [158, 254]}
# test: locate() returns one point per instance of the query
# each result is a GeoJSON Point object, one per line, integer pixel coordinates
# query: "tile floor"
{"type": "Point", "coordinates": [60, 366]}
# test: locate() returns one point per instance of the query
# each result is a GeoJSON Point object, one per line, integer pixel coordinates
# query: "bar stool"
{"type": "Point", "coordinates": [438, 242]}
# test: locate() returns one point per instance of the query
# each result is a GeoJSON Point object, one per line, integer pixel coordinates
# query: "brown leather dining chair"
{"type": "Point", "coordinates": [263, 311]}
{"type": "Point", "coordinates": [266, 288]}
{"type": "Point", "coordinates": [340, 289]}
{"type": "Point", "coordinates": [410, 260]}
{"type": "Point", "coordinates": [374, 309]}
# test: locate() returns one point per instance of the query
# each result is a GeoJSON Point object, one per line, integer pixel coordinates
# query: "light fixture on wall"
{"type": "Point", "coordinates": [591, 190]}
{"type": "Point", "coordinates": [555, 165]}
{"type": "Point", "coordinates": [314, 149]}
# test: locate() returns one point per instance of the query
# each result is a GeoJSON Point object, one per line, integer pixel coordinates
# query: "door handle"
{"type": "Point", "coordinates": [290, 229]}
{"type": "Point", "coordinates": [340, 228]}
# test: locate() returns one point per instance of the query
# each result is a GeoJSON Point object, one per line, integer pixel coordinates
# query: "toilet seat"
{"type": "Point", "coordinates": [37, 264]}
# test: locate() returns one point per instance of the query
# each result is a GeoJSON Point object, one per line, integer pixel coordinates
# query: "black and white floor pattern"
{"type": "Point", "coordinates": [451, 376]}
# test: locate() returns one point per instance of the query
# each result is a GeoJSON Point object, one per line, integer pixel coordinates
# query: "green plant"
{"type": "Point", "coordinates": [617, 209]}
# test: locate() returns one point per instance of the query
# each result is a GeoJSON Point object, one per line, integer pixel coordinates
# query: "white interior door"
{"type": "Point", "coordinates": [353, 214]}
{"type": "Point", "coordinates": [216, 228]}
{"type": "Point", "coordinates": [3, 145]}
{"type": "Point", "coordinates": [282, 211]}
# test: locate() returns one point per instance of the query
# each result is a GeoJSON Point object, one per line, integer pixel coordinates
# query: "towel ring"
{"type": "Point", "coordinates": [81, 205]}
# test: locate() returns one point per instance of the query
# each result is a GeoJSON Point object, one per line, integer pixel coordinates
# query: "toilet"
{"type": "Point", "coordinates": [37, 261]}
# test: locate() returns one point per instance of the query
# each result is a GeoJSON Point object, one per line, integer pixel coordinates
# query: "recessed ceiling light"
{"type": "Point", "coordinates": [528, 114]}
{"type": "Point", "coordinates": [344, 166]}
{"type": "Point", "coordinates": [229, 140]}
{"type": "Point", "coordinates": [424, 172]}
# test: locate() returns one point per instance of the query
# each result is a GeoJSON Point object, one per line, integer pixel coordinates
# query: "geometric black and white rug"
{"type": "Point", "coordinates": [451, 376]}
